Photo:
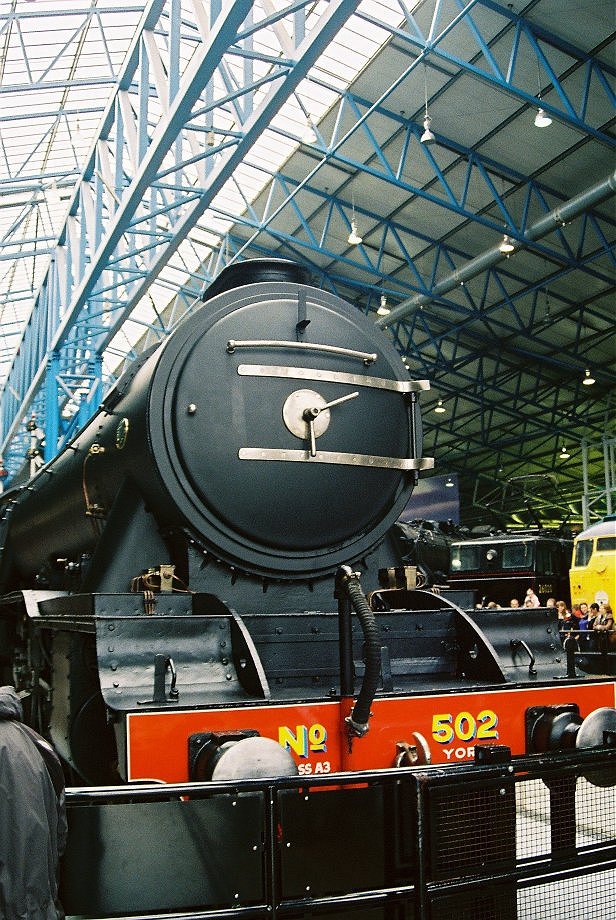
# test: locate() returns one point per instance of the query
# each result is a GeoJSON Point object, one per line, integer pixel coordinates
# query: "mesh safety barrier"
{"type": "Point", "coordinates": [531, 838]}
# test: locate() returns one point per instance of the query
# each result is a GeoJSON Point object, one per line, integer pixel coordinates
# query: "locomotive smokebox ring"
{"type": "Point", "coordinates": [294, 414]}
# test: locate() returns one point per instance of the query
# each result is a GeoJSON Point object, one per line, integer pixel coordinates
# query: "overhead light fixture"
{"type": "Point", "coordinates": [210, 138]}
{"type": "Point", "coordinates": [542, 119]}
{"type": "Point", "coordinates": [354, 238]}
{"type": "Point", "coordinates": [588, 378]}
{"type": "Point", "coordinates": [440, 408]}
{"type": "Point", "coordinates": [309, 135]}
{"type": "Point", "coordinates": [383, 309]}
{"type": "Point", "coordinates": [564, 454]}
{"type": "Point", "coordinates": [427, 137]}
{"type": "Point", "coordinates": [506, 245]}
{"type": "Point", "coordinates": [449, 483]}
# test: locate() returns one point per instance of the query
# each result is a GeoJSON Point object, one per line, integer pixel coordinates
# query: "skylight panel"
{"type": "Point", "coordinates": [65, 47]}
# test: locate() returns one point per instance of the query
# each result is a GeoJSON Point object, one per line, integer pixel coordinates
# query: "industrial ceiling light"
{"type": "Point", "coordinates": [564, 453]}
{"type": "Point", "coordinates": [383, 309]}
{"type": "Point", "coordinates": [309, 135]}
{"type": "Point", "coordinates": [588, 378]}
{"type": "Point", "coordinates": [542, 119]}
{"type": "Point", "coordinates": [440, 408]}
{"type": "Point", "coordinates": [506, 245]}
{"type": "Point", "coordinates": [210, 138]}
{"type": "Point", "coordinates": [449, 483]}
{"type": "Point", "coordinates": [427, 137]}
{"type": "Point", "coordinates": [354, 238]}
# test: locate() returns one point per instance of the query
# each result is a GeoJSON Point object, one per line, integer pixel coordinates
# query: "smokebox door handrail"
{"type": "Point", "coordinates": [367, 357]}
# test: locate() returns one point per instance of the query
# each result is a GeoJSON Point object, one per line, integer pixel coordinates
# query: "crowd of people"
{"type": "Point", "coordinates": [580, 617]}
{"type": "Point", "coordinates": [585, 617]}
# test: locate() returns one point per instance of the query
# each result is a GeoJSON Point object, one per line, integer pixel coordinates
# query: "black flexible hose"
{"type": "Point", "coordinates": [358, 720]}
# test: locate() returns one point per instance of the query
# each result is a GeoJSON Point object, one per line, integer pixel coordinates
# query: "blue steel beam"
{"type": "Point", "coordinates": [388, 236]}
{"type": "Point", "coordinates": [283, 86]}
{"type": "Point", "coordinates": [513, 288]}
{"type": "Point", "coordinates": [112, 206]}
{"type": "Point", "coordinates": [486, 170]}
{"type": "Point", "coordinates": [486, 68]}
{"type": "Point", "coordinates": [559, 216]}
{"type": "Point", "coordinates": [519, 188]}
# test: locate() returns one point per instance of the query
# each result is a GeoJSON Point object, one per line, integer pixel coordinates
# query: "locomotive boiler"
{"type": "Point", "coordinates": [179, 583]}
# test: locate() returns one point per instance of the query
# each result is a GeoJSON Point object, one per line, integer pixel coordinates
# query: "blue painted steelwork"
{"type": "Point", "coordinates": [487, 170]}
{"type": "Point", "coordinates": [111, 248]}
{"type": "Point", "coordinates": [125, 222]}
{"type": "Point", "coordinates": [485, 67]}
{"type": "Point", "coordinates": [444, 258]}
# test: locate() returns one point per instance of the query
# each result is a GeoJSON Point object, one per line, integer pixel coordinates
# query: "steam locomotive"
{"type": "Point", "coordinates": [179, 585]}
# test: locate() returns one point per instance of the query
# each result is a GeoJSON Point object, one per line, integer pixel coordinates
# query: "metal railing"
{"type": "Point", "coordinates": [530, 838]}
{"type": "Point", "coordinates": [590, 651]}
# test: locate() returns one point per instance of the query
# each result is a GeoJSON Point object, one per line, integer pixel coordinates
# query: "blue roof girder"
{"type": "Point", "coordinates": [331, 154]}
{"type": "Point", "coordinates": [494, 76]}
{"type": "Point", "coordinates": [529, 447]}
{"type": "Point", "coordinates": [552, 358]}
{"type": "Point", "coordinates": [233, 14]}
{"type": "Point", "coordinates": [434, 369]}
{"type": "Point", "coordinates": [452, 255]}
{"type": "Point", "coordinates": [302, 247]}
{"type": "Point", "coordinates": [472, 216]}
{"type": "Point", "coordinates": [509, 300]}
{"type": "Point", "coordinates": [306, 54]}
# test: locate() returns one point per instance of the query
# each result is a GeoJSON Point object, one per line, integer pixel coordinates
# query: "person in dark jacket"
{"type": "Point", "coordinates": [32, 818]}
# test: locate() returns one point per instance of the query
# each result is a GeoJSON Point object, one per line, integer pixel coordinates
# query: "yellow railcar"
{"type": "Point", "coordinates": [592, 576]}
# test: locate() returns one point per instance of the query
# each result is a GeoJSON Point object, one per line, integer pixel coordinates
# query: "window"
{"type": "Point", "coordinates": [606, 544]}
{"type": "Point", "coordinates": [583, 552]}
{"type": "Point", "coordinates": [548, 559]}
{"type": "Point", "coordinates": [464, 558]}
{"type": "Point", "coordinates": [517, 555]}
